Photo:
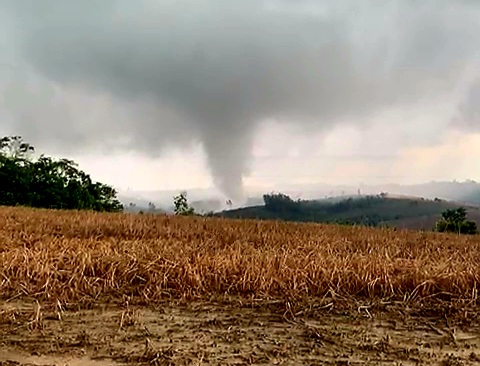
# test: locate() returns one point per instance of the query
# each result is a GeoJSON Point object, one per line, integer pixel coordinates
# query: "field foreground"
{"type": "Point", "coordinates": [97, 289]}
{"type": "Point", "coordinates": [200, 333]}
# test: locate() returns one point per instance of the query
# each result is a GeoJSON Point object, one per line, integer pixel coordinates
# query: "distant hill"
{"type": "Point", "coordinates": [466, 192]}
{"type": "Point", "coordinates": [380, 210]}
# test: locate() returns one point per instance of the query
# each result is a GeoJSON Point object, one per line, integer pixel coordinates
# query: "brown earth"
{"type": "Point", "coordinates": [201, 333]}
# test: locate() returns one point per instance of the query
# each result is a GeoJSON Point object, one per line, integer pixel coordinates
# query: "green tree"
{"type": "Point", "coordinates": [181, 205]}
{"type": "Point", "coordinates": [455, 221]}
{"type": "Point", "coordinates": [15, 148]}
{"type": "Point", "coordinates": [48, 183]}
{"type": "Point", "coordinates": [279, 202]}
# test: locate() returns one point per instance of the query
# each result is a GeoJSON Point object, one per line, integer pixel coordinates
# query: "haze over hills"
{"type": "Point", "coordinates": [467, 192]}
{"type": "Point", "coordinates": [370, 210]}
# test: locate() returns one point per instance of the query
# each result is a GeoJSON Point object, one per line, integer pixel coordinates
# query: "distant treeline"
{"type": "Point", "coordinates": [338, 211]}
{"type": "Point", "coordinates": [373, 210]}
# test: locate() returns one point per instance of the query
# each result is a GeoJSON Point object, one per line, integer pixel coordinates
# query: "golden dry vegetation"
{"type": "Point", "coordinates": [82, 256]}
{"type": "Point", "coordinates": [83, 288]}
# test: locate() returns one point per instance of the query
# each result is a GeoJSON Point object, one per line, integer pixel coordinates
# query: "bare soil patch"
{"type": "Point", "coordinates": [204, 333]}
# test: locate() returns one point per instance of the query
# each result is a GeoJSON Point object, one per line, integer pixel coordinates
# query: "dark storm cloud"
{"type": "Point", "coordinates": [217, 68]}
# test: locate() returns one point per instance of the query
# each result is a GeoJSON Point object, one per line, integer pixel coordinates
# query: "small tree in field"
{"type": "Point", "coordinates": [455, 221]}
{"type": "Point", "coordinates": [181, 205]}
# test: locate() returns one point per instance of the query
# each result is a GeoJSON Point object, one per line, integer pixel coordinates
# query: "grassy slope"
{"type": "Point", "coordinates": [398, 212]}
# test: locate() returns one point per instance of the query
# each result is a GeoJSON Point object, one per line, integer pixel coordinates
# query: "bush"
{"type": "Point", "coordinates": [455, 221]}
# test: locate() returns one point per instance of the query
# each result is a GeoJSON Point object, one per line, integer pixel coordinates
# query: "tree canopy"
{"type": "Point", "coordinates": [45, 182]}
{"type": "Point", "coordinates": [455, 221]}
{"type": "Point", "coordinates": [182, 207]}
{"type": "Point", "coordinates": [279, 202]}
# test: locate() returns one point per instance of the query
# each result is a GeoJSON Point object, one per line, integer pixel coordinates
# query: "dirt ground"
{"type": "Point", "coordinates": [205, 333]}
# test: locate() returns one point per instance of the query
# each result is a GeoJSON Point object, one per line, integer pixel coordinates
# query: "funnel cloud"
{"type": "Point", "coordinates": [214, 71]}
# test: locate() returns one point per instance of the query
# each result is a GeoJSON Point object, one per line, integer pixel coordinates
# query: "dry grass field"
{"type": "Point", "coordinates": [100, 289]}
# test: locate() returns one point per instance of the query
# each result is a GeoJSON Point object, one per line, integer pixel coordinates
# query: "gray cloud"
{"type": "Point", "coordinates": [213, 70]}
{"type": "Point", "coordinates": [468, 114]}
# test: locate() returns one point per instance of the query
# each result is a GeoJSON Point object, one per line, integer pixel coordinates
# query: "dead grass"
{"type": "Point", "coordinates": [63, 257]}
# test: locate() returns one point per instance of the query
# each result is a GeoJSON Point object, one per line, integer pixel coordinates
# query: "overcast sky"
{"type": "Point", "coordinates": [153, 94]}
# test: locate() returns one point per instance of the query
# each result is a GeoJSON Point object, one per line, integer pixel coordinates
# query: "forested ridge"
{"type": "Point", "coordinates": [46, 182]}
